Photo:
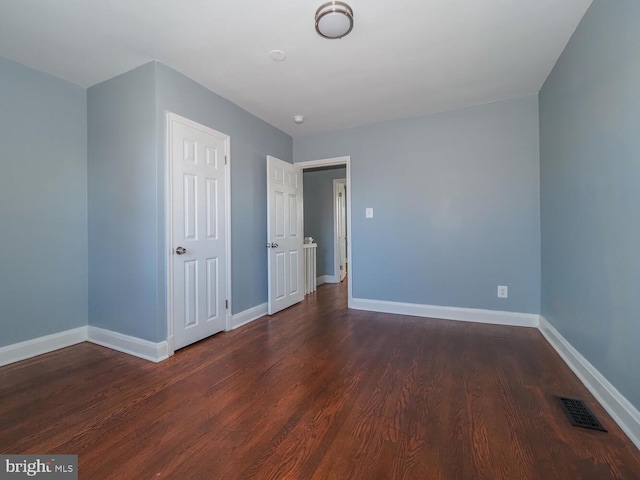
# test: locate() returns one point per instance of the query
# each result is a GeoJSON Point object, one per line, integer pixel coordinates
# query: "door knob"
{"type": "Point", "coordinates": [272, 245]}
{"type": "Point", "coordinates": [181, 251]}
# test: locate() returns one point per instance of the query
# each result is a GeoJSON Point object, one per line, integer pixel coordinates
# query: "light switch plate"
{"type": "Point", "coordinates": [368, 213]}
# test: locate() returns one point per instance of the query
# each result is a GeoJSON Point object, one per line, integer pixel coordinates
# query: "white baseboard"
{"type": "Point", "coordinates": [248, 316]}
{"type": "Point", "coordinates": [171, 345]}
{"type": "Point", "coordinates": [620, 409]}
{"type": "Point", "coordinates": [326, 279]}
{"type": "Point", "coordinates": [155, 352]}
{"type": "Point", "coordinates": [477, 315]}
{"type": "Point", "coordinates": [38, 346]}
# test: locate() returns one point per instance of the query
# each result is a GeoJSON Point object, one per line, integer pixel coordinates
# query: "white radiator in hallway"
{"type": "Point", "coordinates": [310, 268]}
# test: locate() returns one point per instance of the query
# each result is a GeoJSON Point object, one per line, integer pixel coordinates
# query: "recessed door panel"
{"type": "Point", "coordinates": [212, 208]}
{"type": "Point", "coordinates": [190, 293]}
{"type": "Point", "coordinates": [292, 179]}
{"type": "Point", "coordinates": [278, 175]}
{"type": "Point", "coordinates": [211, 155]}
{"type": "Point", "coordinates": [294, 267]}
{"type": "Point", "coordinates": [190, 206]}
{"type": "Point", "coordinates": [280, 215]}
{"type": "Point", "coordinates": [280, 275]}
{"type": "Point", "coordinates": [189, 149]}
{"type": "Point", "coordinates": [293, 217]}
{"type": "Point", "coordinates": [212, 289]}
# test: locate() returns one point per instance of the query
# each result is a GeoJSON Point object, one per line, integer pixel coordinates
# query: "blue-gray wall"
{"type": "Point", "coordinates": [590, 192]}
{"type": "Point", "coordinates": [43, 204]}
{"type": "Point", "coordinates": [127, 128]}
{"type": "Point", "coordinates": [318, 214]}
{"type": "Point", "coordinates": [123, 240]}
{"type": "Point", "coordinates": [456, 206]}
{"type": "Point", "coordinates": [251, 141]}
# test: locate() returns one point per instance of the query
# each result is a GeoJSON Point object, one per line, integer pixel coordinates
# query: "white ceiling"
{"type": "Point", "coordinates": [403, 58]}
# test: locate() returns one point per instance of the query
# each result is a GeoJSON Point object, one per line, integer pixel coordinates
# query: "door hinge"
{"type": "Point", "coordinates": [225, 159]}
{"type": "Point", "coordinates": [341, 268]}
{"type": "Point", "coordinates": [226, 304]}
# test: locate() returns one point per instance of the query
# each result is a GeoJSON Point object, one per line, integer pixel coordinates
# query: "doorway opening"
{"type": "Point", "coordinates": [329, 218]}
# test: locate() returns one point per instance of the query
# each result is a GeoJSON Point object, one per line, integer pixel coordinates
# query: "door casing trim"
{"type": "Point", "coordinates": [336, 241]}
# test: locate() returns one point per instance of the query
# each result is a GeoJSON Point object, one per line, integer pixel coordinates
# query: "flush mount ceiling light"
{"type": "Point", "coordinates": [334, 19]}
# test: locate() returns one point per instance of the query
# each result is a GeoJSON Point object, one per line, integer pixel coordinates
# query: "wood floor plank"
{"type": "Point", "coordinates": [316, 392]}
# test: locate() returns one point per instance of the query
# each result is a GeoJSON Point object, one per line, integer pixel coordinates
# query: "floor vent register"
{"type": "Point", "coordinates": [579, 414]}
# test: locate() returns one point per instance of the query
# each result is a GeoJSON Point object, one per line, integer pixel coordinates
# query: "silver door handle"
{"type": "Point", "coordinates": [181, 251]}
{"type": "Point", "coordinates": [272, 245]}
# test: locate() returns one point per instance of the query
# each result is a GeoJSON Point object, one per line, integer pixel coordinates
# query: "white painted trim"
{"type": "Point", "coordinates": [496, 317]}
{"type": "Point", "coordinates": [620, 409]}
{"type": "Point", "coordinates": [248, 316]}
{"type": "Point", "coordinates": [171, 345]}
{"type": "Point", "coordinates": [155, 352]}
{"type": "Point", "coordinates": [326, 279]}
{"type": "Point", "coordinates": [227, 214]}
{"type": "Point", "coordinates": [168, 215]}
{"type": "Point", "coordinates": [327, 162]}
{"type": "Point", "coordinates": [170, 116]}
{"type": "Point", "coordinates": [336, 240]}
{"type": "Point", "coordinates": [41, 345]}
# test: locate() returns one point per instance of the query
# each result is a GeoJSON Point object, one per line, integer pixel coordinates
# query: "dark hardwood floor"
{"type": "Point", "coordinates": [316, 392]}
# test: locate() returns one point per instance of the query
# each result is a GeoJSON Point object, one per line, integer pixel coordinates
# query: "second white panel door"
{"type": "Point", "coordinates": [285, 234]}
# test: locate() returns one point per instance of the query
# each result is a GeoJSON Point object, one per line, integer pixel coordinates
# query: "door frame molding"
{"type": "Point", "coordinates": [336, 241]}
{"type": "Point", "coordinates": [168, 215]}
{"type": "Point", "coordinates": [337, 161]}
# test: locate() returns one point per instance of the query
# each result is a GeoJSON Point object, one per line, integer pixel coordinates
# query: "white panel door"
{"type": "Point", "coordinates": [284, 234]}
{"type": "Point", "coordinates": [198, 193]}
